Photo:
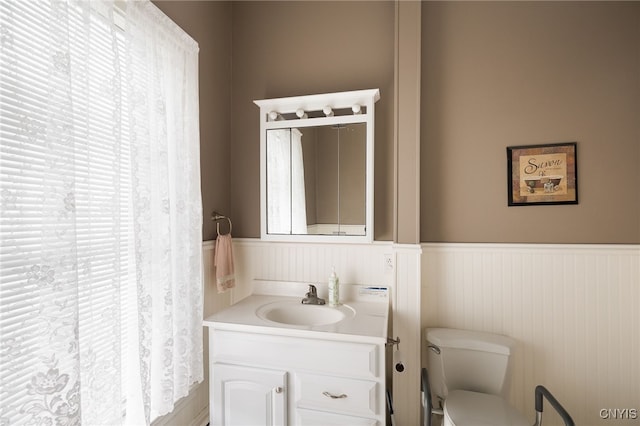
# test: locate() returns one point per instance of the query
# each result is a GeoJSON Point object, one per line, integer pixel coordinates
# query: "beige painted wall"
{"type": "Point", "coordinates": [518, 73]}
{"type": "Point", "coordinates": [209, 23]}
{"type": "Point", "coordinates": [493, 75]}
{"type": "Point", "coordinates": [305, 47]}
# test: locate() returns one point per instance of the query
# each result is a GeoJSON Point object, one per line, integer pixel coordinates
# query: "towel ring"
{"type": "Point", "coordinates": [218, 217]}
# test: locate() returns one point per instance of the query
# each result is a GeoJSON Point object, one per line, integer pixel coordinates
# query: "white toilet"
{"type": "Point", "coordinates": [469, 375]}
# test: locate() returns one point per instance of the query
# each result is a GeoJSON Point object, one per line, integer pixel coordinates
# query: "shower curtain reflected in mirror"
{"type": "Point", "coordinates": [286, 203]}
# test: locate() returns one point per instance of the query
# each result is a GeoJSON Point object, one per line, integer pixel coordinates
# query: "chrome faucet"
{"type": "Point", "coordinates": [311, 298]}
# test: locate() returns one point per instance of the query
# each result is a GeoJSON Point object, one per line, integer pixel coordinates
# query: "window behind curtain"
{"type": "Point", "coordinates": [92, 127]}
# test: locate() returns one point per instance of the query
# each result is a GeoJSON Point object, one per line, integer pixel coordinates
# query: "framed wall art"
{"type": "Point", "coordinates": [542, 174]}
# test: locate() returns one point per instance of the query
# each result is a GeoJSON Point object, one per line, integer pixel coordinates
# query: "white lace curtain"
{"type": "Point", "coordinates": [101, 217]}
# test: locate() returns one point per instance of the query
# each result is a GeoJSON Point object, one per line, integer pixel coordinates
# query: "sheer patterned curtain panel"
{"type": "Point", "coordinates": [100, 213]}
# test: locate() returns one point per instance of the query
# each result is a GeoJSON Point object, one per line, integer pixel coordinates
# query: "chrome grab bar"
{"type": "Point", "coordinates": [542, 391]}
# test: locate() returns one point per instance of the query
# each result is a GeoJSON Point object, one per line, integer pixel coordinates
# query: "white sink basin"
{"type": "Point", "coordinates": [297, 314]}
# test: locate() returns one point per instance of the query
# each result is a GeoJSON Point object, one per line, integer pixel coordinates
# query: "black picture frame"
{"type": "Point", "coordinates": [544, 174]}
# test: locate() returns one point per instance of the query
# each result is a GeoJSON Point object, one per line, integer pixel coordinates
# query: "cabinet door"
{"type": "Point", "coordinates": [245, 396]}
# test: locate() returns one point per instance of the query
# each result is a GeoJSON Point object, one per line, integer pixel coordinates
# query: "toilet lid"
{"type": "Point", "coordinates": [480, 409]}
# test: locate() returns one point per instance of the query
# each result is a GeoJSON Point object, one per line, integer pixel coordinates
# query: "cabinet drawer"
{"type": "Point", "coordinates": [319, 418]}
{"type": "Point", "coordinates": [336, 394]}
{"type": "Point", "coordinates": [359, 360]}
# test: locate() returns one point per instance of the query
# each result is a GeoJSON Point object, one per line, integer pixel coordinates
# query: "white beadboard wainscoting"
{"type": "Point", "coordinates": [407, 327]}
{"type": "Point", "coordinates": [354, 264]}
{"type": "Point", "coordinates": [574, 309]}
{"type": "Point", "coordinates": [308, 262]}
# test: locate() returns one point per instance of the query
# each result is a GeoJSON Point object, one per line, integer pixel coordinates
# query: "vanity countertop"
{"type": "Point", "coordinates": [371, 306]}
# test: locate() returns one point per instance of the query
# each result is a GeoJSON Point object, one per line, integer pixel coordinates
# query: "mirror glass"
{"type": "Point", "coordinates": [316, 180]}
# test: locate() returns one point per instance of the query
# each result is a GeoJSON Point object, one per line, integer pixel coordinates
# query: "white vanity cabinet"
{"type": "Point", "coordinates": [309, 379]}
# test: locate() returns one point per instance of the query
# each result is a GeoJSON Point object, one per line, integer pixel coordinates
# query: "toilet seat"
{"type": "Point", "coordinates": [462, 408]}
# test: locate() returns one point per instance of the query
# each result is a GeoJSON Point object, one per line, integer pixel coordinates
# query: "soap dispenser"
{"type": "Point", "coordinates": [334, 288]}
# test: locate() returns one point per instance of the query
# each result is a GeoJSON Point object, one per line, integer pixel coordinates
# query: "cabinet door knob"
{"type": "Point", "coordinates": [332, 396]}
{"type": "Point", "coordinates": [278, 389]}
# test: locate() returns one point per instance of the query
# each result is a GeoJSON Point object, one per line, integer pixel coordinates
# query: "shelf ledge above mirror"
{"type": "Point", "coordinates": [316, 167]}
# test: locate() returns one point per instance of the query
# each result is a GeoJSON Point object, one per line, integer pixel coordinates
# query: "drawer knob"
{"type": "Point", "coordinates": [278, 389]}
{"type": "Point", "coordinates": [332, 396]}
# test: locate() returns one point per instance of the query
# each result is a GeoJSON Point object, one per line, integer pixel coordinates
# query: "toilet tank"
{"type": "Point", "coordinates": [468, 360]}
